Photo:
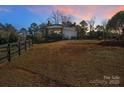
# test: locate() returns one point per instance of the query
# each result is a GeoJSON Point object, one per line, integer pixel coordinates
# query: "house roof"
{"type": "Point", "coordinates": [54, 26]}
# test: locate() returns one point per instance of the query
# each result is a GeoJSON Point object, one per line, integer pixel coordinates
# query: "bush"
{"type": "Point", "coordinates": [73, 37]}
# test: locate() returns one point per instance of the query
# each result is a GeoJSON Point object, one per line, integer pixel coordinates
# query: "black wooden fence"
{"type": "Point", "coordinates": [7, 51]}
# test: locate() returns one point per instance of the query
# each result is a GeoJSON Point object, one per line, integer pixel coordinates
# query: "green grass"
{"type": "Point", "coordinates": [65, 63]}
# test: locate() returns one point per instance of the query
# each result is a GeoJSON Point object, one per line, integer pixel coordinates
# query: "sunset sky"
{"type": "Point", "coordinates": [23, 16]}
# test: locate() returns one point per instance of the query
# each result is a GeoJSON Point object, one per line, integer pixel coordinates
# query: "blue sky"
{"type": "Point", "coordinates": [20, 16]}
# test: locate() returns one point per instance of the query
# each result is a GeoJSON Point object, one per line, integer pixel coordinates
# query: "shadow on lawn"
{"type": "Point", "coordinates": [114, 43]}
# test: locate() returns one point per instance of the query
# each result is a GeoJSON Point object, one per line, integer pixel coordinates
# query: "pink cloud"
{"type": "Point", "coordinates": [69, 10]}
{"type": "Point", "coordinates": [86, 12]}
{"type": "Point", "coordinates": [110, 12]}
{"type": "Point", "coordinates": [80, 12]}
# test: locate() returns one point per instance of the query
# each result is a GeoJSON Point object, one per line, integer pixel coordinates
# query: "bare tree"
{"type": "Point", "coordinates": [104, 24]}
{"type": "Point", "coordinates": [65, 18]}
{"type": "Point", "coordinates": [91, 23]}
{"type": "Point", "coordinates": [58, 17]}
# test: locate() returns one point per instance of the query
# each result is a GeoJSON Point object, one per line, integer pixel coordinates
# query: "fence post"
{"type": "Point", "coordinates": [29, 43]}
{"type": "Point", "coordinates": [19, 48]}
{"type": "Point", "coordinates": [9, 52]}
{"type": "Point", "coordinates": [25, 45]}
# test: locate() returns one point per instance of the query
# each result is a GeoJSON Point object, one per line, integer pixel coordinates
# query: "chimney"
{"type": "Point", "coordinates": [74, 23]}
{"type": "Point", "coordinates": [49, 23]}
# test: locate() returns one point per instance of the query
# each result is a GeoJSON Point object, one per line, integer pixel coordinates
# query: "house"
{"type": "Point", "coordinates": [69, 32]}
{"type": "Point", "coordinates": [65, 31]}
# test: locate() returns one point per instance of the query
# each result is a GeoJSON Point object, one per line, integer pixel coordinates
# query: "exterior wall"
{"type": "Point", "coordinates": [69, 32]}
{"type": "Point", "coordinates": [56, 30]}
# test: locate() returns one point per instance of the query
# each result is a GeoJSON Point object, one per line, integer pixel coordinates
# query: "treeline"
{"type": "Point", "coordinates": [92, 31]}
{"type": "Point", "coordinates": [34, 32]}
{"type": "Point", "coordinates": [8, 33]}
{"type": "Point", "coordinates": [112, 29]}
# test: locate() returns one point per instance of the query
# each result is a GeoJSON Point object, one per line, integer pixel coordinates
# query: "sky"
{"type": "Point", "coordinates": [23, 16]}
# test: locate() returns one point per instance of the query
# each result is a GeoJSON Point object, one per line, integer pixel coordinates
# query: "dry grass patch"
{"type": "Point", "coordinates": [72, 63]}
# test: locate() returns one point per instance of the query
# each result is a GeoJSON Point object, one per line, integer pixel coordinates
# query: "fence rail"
{"type": "Point", "coordinates": [7, 51]}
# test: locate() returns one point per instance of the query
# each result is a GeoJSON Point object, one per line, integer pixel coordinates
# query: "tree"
{"type": "Point", "coordinates": [116, 23]}
{"type": "Point", "coordinates": [58, 17]}
{"type": "Point", "coordinates": [33, 29]}
{"type": "Point", "coordinates": [123, 34]}
{"type": "Point", "coordinates": [66, 19]}
{"type": "Point", "coordinates": [23, 33]}
{"type": "Point", "coordinates": [30, 34]}
{"type": "Point", "coordinates": [3, 36]}
{"type": "Point", "coordinates": [99, 32]}
{"type": "Point", "coordinates": [84, 28]}
{"type": "Point", "coordinates": [11, 33]}
{"type": "Point", "coordinates": [2, 27]}
{"type": "Point", "coordinates": [8, 33]}
{"type": "Point", "coordinates": [99, 28]}
{"type": "Point", "coordinates": [91, 23]}
{"type": "Point", "coordinates": [78, 29]}
{"type": "Point", "coordinates": [42, 28]}
{"type": "Point", "coordinates": [104, 24]}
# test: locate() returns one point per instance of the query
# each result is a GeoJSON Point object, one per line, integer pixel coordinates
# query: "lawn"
{"type": "Point", "coordinates": [66, 63]}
